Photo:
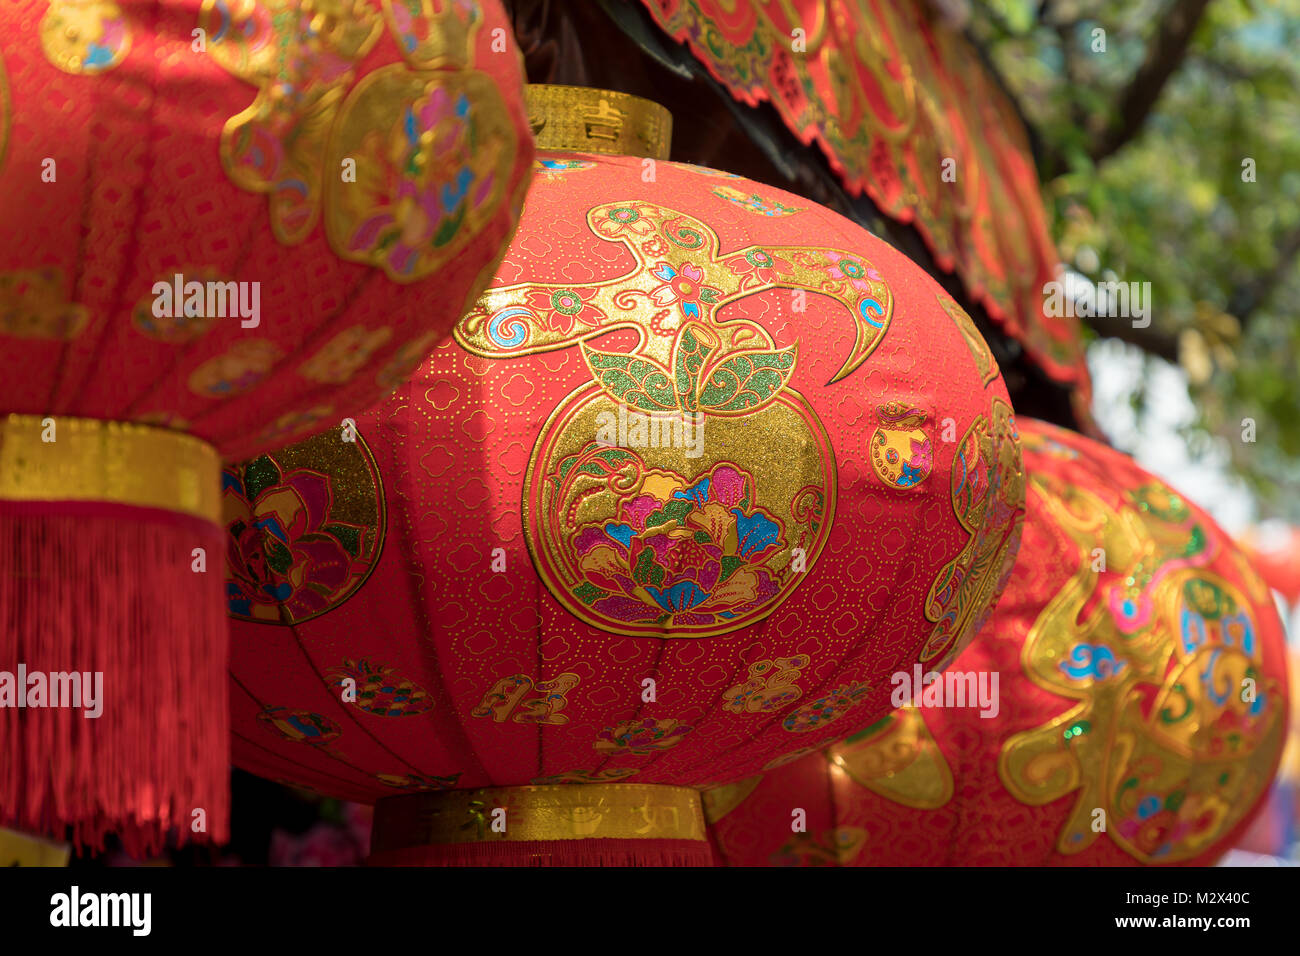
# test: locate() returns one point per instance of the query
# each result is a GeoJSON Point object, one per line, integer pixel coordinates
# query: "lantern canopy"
{"type": "Point", "coordinates": [704, 466]}
{"type": "Point", "coordinates": [227, 224]}
{"type": "Point", "coordinates": [1139, 715]}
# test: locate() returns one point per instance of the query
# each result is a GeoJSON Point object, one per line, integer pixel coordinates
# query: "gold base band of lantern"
{"type": "Point", "coordinates": [580, 120]}
{"type": "Point", "coordinates": [618, 811]}
{"type": "Point", "coordinates": [21, 849]}
{"type": "Point", "coordinates": [58, 458]}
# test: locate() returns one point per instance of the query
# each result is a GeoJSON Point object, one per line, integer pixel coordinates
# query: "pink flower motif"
{"type": "Point", "coordinates": [693, 555]}
{"type": "Point", "coordinates": [853, 271]}
{"type": "Point", "coordinates": [684, 286]}
{"type": "Point", "coordinates": [566, 308]}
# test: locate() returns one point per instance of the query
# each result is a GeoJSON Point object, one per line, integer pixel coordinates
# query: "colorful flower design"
{"type": "Point", "coordinates": [564, 308]}
{"type": "Point", "coordinates": [632, 219]}
{"type": "Point", "coordinates": [755, 203]}
{"type": "Point", "coordinates": [553, 170]}
{"type": "Point", "coordinates": [900, 450]}
{"type": "Point", "coordinates": [245, 366]}
{"type": "Point", "coordinates": [88, 37]}
{"type": "Point", "coordinates": [417, 781]}
{"type": "Point", "coordinates": [301, 726]}
{"type": "Point", "coordinates": [379, 690]}
{"type": "Point", "coordinates": [683, 287]}
{"type": "Point", "coordinates": [844, 268]}
{"type": "Point", "coordinates": [34, 306]}
{"type": "Point", "coordinates": [642, 736]}
{"type": "Point", "coordinates": [681, 555]}
{"type": "Point", "coordinates": [818, 713]}
{"type": "Point", "coordinates": [426, 179]}
{"type": "Point", "coordinates": [758, 267]}
{"type": "Point", "coordinates": [345, 355]}
{"type": "Point", "coordinates": [284, 554]}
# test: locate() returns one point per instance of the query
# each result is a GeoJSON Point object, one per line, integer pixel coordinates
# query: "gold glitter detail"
{"type": "Point", "coordinates": [109, 462]}
{"type": "Point", "coordinates": [576, 119]}
{"type": "Point", "coordinates": [356, 499]}
{"type": "Point", "coordinates": [619, 811]}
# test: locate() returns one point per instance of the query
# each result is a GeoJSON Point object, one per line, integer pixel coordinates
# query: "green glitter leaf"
{"type": "Point", "coordinates": [729, 565]}
{"type": "Point", "coordinates": [260, 474]}
{"type": "Point", "coordinates": [348, 536]}
{"type": "Point", "coordinates": [588, 593]}
{"type": "Point", "coordinates": [747, 380]}
{"type": "Point", "coordinates": [632, 381]}
{"type": "Point", "coordinates": [672, 511]}
{"type": "Point", "coordinates": [278, 558]}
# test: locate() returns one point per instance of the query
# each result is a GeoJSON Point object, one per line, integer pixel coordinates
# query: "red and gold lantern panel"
{"type": "Point", "coordinates": [1137, 712]}
{"type": "Point", "coordinates": [231, 217]}
{"type": "Point", "coordinates": [237, 219]}
{"type": "Point", "coordinates": [704, 466]}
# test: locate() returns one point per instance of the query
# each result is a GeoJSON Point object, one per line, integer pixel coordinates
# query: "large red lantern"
{"type": "Point", "coordinates": [227, 223]}
{"type": "Point", "coordinates": [703, 465]}
{"type": "Point", "coordinates": [1141, 714]}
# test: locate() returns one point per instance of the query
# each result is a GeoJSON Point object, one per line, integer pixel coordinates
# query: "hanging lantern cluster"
{"type": "Point", "coordinates": [702, 468]}
{"type": "Point", "coordinates": [1138, 714]}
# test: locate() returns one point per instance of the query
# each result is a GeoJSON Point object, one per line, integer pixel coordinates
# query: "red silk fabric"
{"type": "Point", "coordinates": [127, 157]}
{"type": "Point", "coordinates": [906, 112]}
{"type": "Point", "coordinates": [1121, 691]}
{"type": "Point", "coordinates": [431, 563]}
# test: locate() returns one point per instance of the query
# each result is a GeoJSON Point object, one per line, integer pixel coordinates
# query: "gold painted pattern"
{"type": "Point", "coordinates": [679, 281]}
{"type": "Point", "coordinates": [979, 349]}
{"type": "Point", "coordinates": [581, 120]}
{"type": "Point", "coordinates": [898, 759]}
{"type": "Point", "coordinates": [1154, 654]}
{"type": "Point", "coordinates": [988, 493]}
{"type": "Point", "coordinates": [620, 811]}
{"type": "Point", "coordinates": [100, 461]}
{"type": "Point", "coordinates": [33, 304]}
{"type": "Point", "coordinates": [432, 146]}
{"type": "Point", "coordinates": [84, 36]}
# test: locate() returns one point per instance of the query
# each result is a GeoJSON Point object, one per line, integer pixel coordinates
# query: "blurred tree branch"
{"type": "Point", "coordinates": [1249, 296]}
{"type": "Point", "coordinates": [1151, 340]}
{"type": "Point", "coordinates": [1165, 51]}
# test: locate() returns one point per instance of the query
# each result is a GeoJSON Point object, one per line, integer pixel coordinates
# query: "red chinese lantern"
{"type": "Point", "coordinates": [703, 465]}
{"type": "Point", "coordinates": [1141, 715]}
{"type": "Point", "coordinates": [226, 224]}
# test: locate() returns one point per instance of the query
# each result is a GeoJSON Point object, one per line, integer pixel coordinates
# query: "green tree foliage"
{"type": "Point", "coordinates": [1147, 147]}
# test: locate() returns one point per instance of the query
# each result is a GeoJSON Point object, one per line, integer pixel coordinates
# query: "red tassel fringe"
{"type": "Point", "coordinates": [115, 592]}
{"type": "Point", "coordinates": [593, 852]}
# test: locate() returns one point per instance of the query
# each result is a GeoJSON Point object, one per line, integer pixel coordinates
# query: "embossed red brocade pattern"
{"type": "Point", "coordinates": [127, 156]}
{"type": "Point", "coordinates": [895, 101]}
{"type": "Point", "coordinates": [516, 602]}
{"type": "Point", "coordinates": [1148, 697]}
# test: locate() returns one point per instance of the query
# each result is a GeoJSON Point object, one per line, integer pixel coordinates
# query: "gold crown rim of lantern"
{"type": "Point", "coordinates": [579, 119]}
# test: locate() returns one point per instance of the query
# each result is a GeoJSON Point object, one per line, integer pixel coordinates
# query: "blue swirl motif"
{"type": "Point", "coordinates": [1091, 661]}
{"type": "Point", "coordinates": [871, 311]}
{"type": "Point", "coordinates": [1207, 679]}
{"type": "Point", "coordinates": [509, 327]}
{"type": "Point", "coordinates": [1192, 626]}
